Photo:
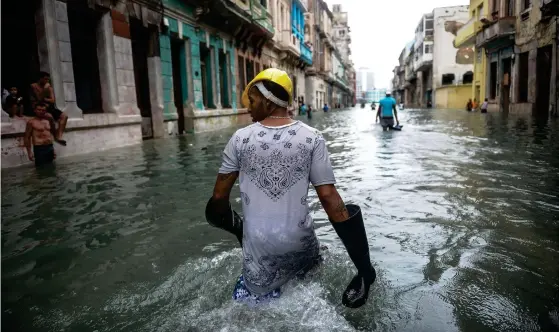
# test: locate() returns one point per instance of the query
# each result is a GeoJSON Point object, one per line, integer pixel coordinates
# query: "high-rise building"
{"type": "Point", "coordinates": [370, 80]}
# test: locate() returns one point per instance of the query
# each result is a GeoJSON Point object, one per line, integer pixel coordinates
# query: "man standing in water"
{"type": "Point", "coordinates": [38, 133]}
{"type": "Point", "coordinates": [275, 159]}
{"type": "Point", "coordinates": [387, 105]}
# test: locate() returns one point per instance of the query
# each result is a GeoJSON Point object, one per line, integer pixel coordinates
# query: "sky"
{"type": "Point", "coordinates": [381, 28]}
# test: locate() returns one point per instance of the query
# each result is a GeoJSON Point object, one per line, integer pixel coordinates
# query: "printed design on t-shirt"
{"type": "Point", "coordinates": [306, 222]}
{"type": "Point", "coordinates": [304, 200]}
{"type": "Point", "coordinates": [245, 198]}
{"type": "Point", "coordinates": [273, 268]}
{"type": "Point", "coordinates": [264, 146]}
{"type": "Point", "coordinates": [275, 173]}
{"type": "Point", "coordinates": [262, 133]}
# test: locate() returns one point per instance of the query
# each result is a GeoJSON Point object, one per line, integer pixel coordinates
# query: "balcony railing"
{"type": "Point", "coordinates": [423, 62]}
{"type": "Point", "coordinates": [504, 28]}
{"type": "Point", "coordinates": [261, 16]}
{"type": "Point", "coordinates": [290, 43]}
{"type": "Point", "coordinates": [465, 36]}
{"type": "Point", "coordinates": [306, 54]}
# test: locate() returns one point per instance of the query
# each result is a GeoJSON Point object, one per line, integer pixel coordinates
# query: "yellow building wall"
{"type": "Point", "coordinates": [478, 86]}
{"type": "Point", "coordinates": [455, 96]}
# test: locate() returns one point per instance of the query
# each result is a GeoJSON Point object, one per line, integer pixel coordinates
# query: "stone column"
{"type": "Point", "coordinates": [55, 55]}
{"type": "Point", "coordinates": [216, 95]}
{"type": "Point", "coordinates": [124, 64]}
{"type": "Point", "coordinates": [532, 69]}
{"type": "Point", "coordinates": [155, 85]}
{"type": "Point", "coordinates": [107, 66]}
{"type": "Point", "coordinates": [232, 78]}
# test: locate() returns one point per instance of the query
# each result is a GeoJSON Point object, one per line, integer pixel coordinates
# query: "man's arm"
{"type": "Point", "coordinates": [378, 113]}
{"type": "Point", "coordinates": [395, 114]}
{"type": "Point", "coordinates": [222, 190]}
{"type": "Point", "coordinates": [27, 139]}
{"type": "Point", "coordinates": [50, 99]}
{"type": "Point", "coordinates": [332, 203]}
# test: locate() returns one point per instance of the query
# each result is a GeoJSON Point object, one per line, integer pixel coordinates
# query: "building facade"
{"type": "Point", "coordinates": [520, 40]}
{"type": "Point", "coordinates": [126, 70]}
{"type": "Point", "coordinates": [466, 37]}
{"type": "Point", "coordinates": [516, 59]}
{"type": "Point", "coordinates": [452, 68]}
{"type": "Point", "coordinates": [431, 71]}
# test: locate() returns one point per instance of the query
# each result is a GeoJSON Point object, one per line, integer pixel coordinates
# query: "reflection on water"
{"type": "Point", "coordinates": [461, 212]}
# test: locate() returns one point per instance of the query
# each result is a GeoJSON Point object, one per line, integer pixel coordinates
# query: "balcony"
{"type": "Point", "coordinates": [498, 33]}
{"type": "Point", "coordinates": [327, 39]}
{"type": "Point", "coordinates": [410, 75]}
{"type": "Point", "coordinates": [261, 16]}
{"type": "Point", "coordinates": [423, 62]}
{"type": "Point", "coordinates": [306, 53]}
{"type": "Point", "coordinates": [290, 43]}
{"type": "Point", "coordinates": [466, 35]}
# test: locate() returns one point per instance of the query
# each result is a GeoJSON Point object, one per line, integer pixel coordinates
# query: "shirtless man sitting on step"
{"type": "Point", "coordinates": [42, 91]}
{"type": "Point", "coordinates": [39, 132]}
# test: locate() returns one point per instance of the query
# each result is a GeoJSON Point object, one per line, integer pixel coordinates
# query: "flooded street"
{"type": "Point", "coordinates": [461, 210]}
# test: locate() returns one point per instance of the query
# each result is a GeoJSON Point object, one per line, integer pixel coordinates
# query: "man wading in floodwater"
{"type": "Point", "coordinates": [275, 159]}
{"type": "Point", "coordinates": [387, 105]}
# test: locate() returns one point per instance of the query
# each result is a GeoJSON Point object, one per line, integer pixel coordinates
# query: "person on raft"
{"type": "Point", "coordinates": [275, 158]}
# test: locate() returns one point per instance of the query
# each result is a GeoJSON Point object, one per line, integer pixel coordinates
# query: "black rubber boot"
{"type": "Point", "coordinates": [229, 220]}
{"type": "Point", "coordinates": [352, 233]}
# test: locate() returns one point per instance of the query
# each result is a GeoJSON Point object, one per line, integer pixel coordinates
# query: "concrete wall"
{"type": "Point", "coordinates": [93, 133]}
{"type": "Point", "coordinates": [446, 58]}
{"type": "Point", "coordinates": [454, 97]}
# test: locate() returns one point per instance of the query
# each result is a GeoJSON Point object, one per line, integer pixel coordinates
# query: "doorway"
{"type": "Point", "coordinates": [505, 86]}
{"type": "Point", "coordinates": [140, 36]}
{"type": "Point", "coordinates": [493, 81]}
{"type": "Point", "coordinates": [543, 77]}
{"type": "Point", "coordinates": [83, 23]}
{"type": "Point", "coordinates": [206, 69]}
{"type": "Point", "coordinates": [223, 79]}
{"type": "Point", "coordinates": [179, 89]}
{"type": "Point", "coordinates": [20, 60]}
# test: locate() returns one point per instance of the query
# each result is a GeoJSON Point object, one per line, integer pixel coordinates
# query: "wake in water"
{"type": "Point", "coordinates": [197, 297]}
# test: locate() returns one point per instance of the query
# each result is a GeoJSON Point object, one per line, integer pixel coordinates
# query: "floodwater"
{"type": "Point", "coordinates": [461, 209]}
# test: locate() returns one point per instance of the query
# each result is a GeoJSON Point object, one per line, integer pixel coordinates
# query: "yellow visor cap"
{"type": "Point", "coordinates": [274, 75]}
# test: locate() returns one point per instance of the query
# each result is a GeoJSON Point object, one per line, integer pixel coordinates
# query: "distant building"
{"type": "Point", "coordinates": [370, 80]}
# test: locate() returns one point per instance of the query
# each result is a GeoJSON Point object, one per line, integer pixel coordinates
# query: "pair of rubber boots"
{"type": "Point", "coordinates": [351, 232]}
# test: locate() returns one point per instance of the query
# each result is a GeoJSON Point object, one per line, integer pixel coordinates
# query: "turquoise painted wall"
{"type": "Point", "coordinates": [169, 109]}
{"type": "Point", "coordinates": [195, 38]}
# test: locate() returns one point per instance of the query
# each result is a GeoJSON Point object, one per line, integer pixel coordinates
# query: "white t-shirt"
{"type": "Point", "coordinates": [276, 165]}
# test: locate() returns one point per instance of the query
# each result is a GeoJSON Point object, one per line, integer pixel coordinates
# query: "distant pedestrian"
{"type": "Point", "coordinates": [484, 106]}
{"type": "Point", "coordinates": [325, 108]}
{"type": "Point", "coordinates": [469, 105]}
{"type": "Point", "coordinates": [387, 112]}
{"type": "Point", "coordinates": [303, 109]}
{"type": "Point", "coordinates": [475, 105]}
